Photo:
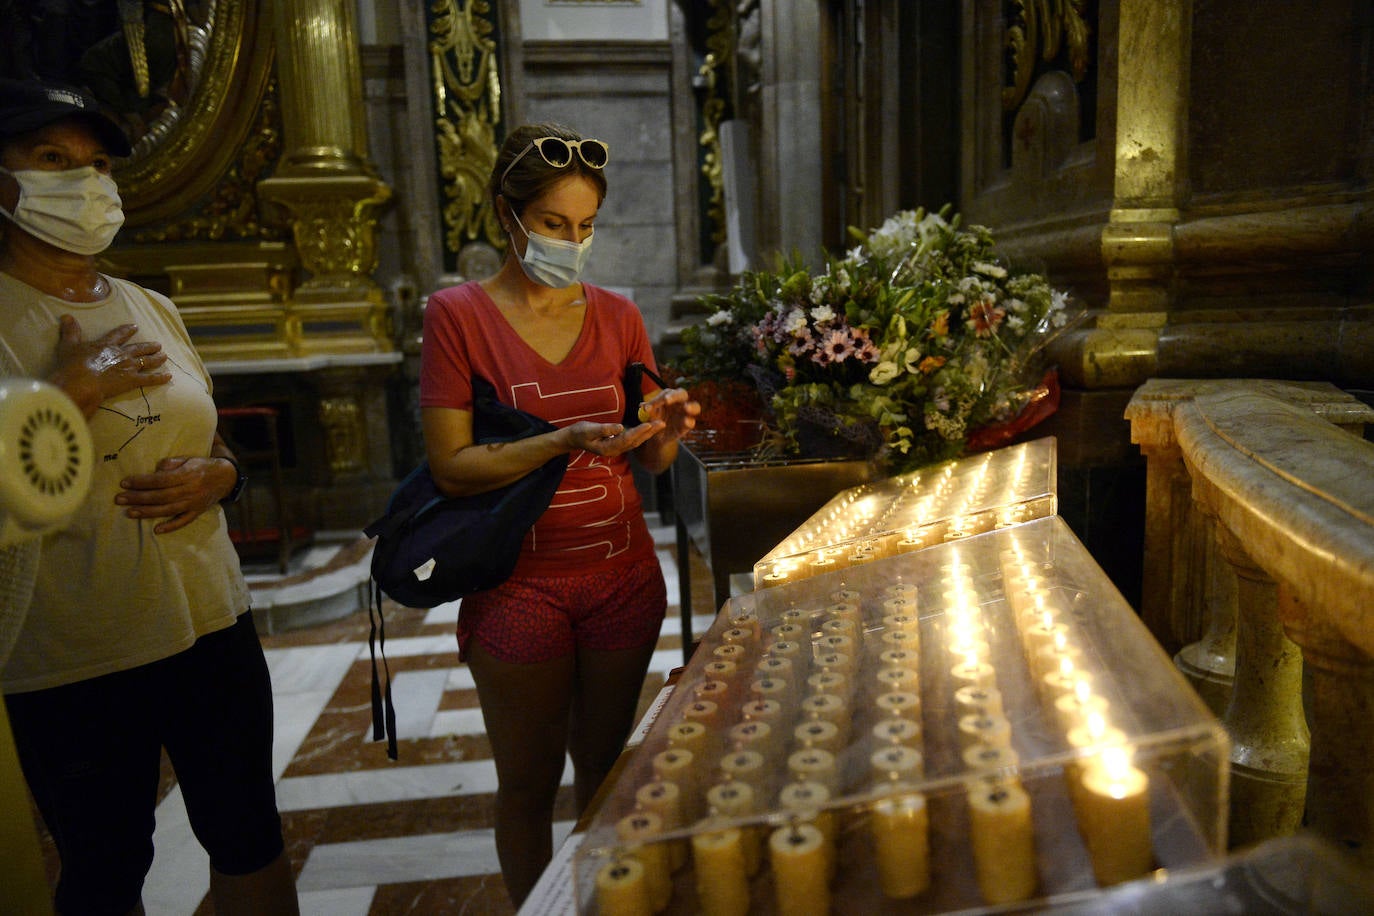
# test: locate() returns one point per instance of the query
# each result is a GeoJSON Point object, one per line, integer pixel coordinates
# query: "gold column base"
{"type": "Point", "coordinates": [339, 308]}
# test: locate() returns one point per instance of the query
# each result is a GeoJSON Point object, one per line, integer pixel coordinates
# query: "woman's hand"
{"type": "Point", "coordinates": [673, 413]}
{"type": "Point", "coordinates": [608, 439]}
{"type": "Point", "coordinates": [93, 371]}
{"type": "Point", "coordinates": [673, 406]}
{"type": "Point", "coordinates": [179, 490]}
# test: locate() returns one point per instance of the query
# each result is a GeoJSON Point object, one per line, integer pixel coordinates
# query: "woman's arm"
{"type": "Point", "coordinates": [462, 467]}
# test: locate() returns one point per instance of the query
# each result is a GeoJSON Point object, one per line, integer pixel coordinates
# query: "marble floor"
{"type": "Point", "coordinates": [367, 835]}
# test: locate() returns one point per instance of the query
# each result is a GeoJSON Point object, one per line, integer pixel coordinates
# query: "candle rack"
{"type": "Point", "coordinates": [905, 712]}
{"type": "Point", "coordinates": [895, 515]}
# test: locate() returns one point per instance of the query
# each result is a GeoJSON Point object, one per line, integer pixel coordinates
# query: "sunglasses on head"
{"type": "Point", "coordinates": [558, 153]}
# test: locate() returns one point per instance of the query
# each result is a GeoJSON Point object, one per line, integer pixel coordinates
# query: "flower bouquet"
{"type": "Point", "coordinates": [914, 344]}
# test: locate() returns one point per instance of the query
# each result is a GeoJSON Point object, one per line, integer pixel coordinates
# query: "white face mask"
{"type": "Point", "coordinates": [553, 262]}
{"type": "Point", "coordinates": [78, 210]}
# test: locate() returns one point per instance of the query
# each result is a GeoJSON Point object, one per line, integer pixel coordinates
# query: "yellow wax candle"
{"type": "Point", "coordinates": [900, 658]}
{"type": "Point", "coordinates": [806, 801]}
{"type": "Point", "coordinates": [906, 640]}
{"type": "Point", "coordinates": [769, 711]}
{"type": "Point", "coordinates": [794, 631]}
{"type": "Point", "coordinates": [1042, 634]}
{"type": "Point", "coordinates": [776, 666]}
{"type": "Point", "coordinates": [689, 736]}
{"type": "Point", "coordinates": [707, 712]}
{"type": "Point", "coordinates": [981, 728]}
{"type": "Point", "coordinates": [995, 760]}
{"type": "Point", "coordinates": [746, 766]}
{"type": "Point", "coordinates": [665, 800]}
{"type": "Point", "coordinates": [900, 590]}
{"type": "Point", "coordinates": [678, 766]}
{"type": "Point", "coordinates": [831, 682]}
{"type": "Point", "coordinates": [1050, 658]}
{"type": "Point", "coordinates": [848, 610]}
{"type": "Point", "coordinates": [977, 698]}
{"type": "Point", "coordinates": [640, 830]}
{"type": "Point", "coordinates": [972, 672]}
{"type": "Point", "coordinates": [814, 765]}
{"type": "Point", "coordinates": [622, 889]}
{"type": "Point", "coordinates": [968, 646]}
{"type": "Point", "coordinates": [722, 879]}
{"type": "Point", "coordinates": [1088, 738]}
{"type": "Point", "coordinates": [902, 732]}
{"type": "Point", "coordinates": [734, 801]}
{"type": "Point", "coordinates": [900, 604]}
{"type": "Point", "coordinates": [841, 626]}
{"type": "Point", "coordinates": [797, 854]}
{"type": "Point", "coordinates": [1114, 816]}
{"type": "Point", "coordinates": [749, 621]}
{"type": "Point", "coordinates": [752, 736]}
{"type": "Point", "coordinates": [719, 669]}
{"type": "Point", "coordinates": [893, 678]}
{"type": "Point", "coordinates": [897, 764]}
{"type": "Point", "coordinates": [902, 620]}
{"type": "Point", "coordinates": [859, 557]}
{"type": "Point", "coordinates": [842, 662]}
{"type": "Point", "coordinates": [713, 689]}
{"type": "Point", "coordinates": [900, 826]}
{"type": "Point", "coordinates": [1073, 709]}
{"type": "Point", "coordinates": [826, 706]}
{"type": "Point", "coordinates": [851, 596]}
{"type": "Point", "coordinates": [741, 636]}
{"type": "Point", "coordinates": [835, 643]}
{"type": "Point", "coordinates": [730, 651]}
{"type": "Point", "coordinates": [1003, 840]}
{"type": "Point", "coordinates": [790, 650]}
{"type": "Point", "coordinates": [770, 688]}
{"type": "Point", "coordinates": [1064, 679]}
{"type": "Point", "coordinates": [819, 733]}
{"type": "Point", "coordinates": [901, 704]}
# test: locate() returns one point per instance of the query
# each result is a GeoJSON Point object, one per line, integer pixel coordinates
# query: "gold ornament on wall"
{"type": "Point", "coordinates": [467, 105]}
{"type": "Point", "coordinates": [341, 418]}
{"type": "Point", "coordinates": [1043, 29]}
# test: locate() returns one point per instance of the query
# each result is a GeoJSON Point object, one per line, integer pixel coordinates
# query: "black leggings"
{"type": "Point", "coordinates": [91, 753]}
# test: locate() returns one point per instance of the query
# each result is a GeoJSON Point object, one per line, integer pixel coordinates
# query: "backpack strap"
{"type": "Point", "coordinates": [383, 710]}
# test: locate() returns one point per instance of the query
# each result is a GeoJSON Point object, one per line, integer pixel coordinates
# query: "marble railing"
{"type": "Point", "coordinates": [1259, 576]}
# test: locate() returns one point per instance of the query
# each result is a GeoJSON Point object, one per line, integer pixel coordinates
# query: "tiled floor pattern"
{"type": "Point", "coordinates": [365, 835]}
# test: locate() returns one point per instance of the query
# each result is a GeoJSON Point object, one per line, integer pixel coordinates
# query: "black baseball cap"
{"type": "Point", "coordinates": [28, 104]}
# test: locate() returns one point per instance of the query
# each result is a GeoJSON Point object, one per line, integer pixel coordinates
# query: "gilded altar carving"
{"type": "Point", "coordinates": [467, 105]}
{"type": "Point", "coordinates": [335, 238]}
{"type": "Point", "coordinates": [341, 418]}
{"type": "Point", "coordinates": [231, 210]}
{"type": "Point", "coordinates": [1041, 30]}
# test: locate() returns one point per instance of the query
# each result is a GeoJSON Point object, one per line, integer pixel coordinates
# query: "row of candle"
{"type": "Point", "coordinates": [791, 686]}
{"type": "Point", "coordinates": [1109, 793]}
{"type": "Point", "coordinates": [911, 512]}
{"type": "Point", "coordinates": [897, 820]}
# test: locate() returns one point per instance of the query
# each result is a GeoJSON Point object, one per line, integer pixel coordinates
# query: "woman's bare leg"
{"type": "Point", "coordinates": [603, 713]}
{"type": "Point", "coordinates": [525, 708]}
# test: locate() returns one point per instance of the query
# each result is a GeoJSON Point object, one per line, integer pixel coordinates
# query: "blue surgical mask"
{"type": "Point", "coordinates": [553, 262]}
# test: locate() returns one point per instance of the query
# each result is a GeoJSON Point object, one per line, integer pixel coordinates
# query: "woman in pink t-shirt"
{"type": "Point", "coordinates": [559, 651]}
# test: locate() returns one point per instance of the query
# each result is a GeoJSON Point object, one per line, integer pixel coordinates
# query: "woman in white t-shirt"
{"type": "Point", "coordinates": [139, 635]}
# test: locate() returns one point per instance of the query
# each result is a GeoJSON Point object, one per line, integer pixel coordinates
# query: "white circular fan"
{"type": "Point", "coordinates": [46, 458]}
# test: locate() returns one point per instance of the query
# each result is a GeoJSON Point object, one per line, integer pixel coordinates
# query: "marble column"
{"type": "Point", "coordinates": [1265, 716]}
{"type": "Point", "coordinates": [1338, 684]}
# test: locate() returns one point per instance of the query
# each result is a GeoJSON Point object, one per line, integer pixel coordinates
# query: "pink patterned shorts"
{"type": "Point", "coordinates": [540, 618]}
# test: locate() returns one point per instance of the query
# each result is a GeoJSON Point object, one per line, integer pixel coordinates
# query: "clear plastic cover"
{"type": "Point", "coordinates": [944, 502]}
{"type": "Point", "coordinates": [981, 723]}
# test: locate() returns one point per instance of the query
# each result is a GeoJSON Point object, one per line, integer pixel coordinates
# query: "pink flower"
{"type": "Point", "coordinates": [837, 344]}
